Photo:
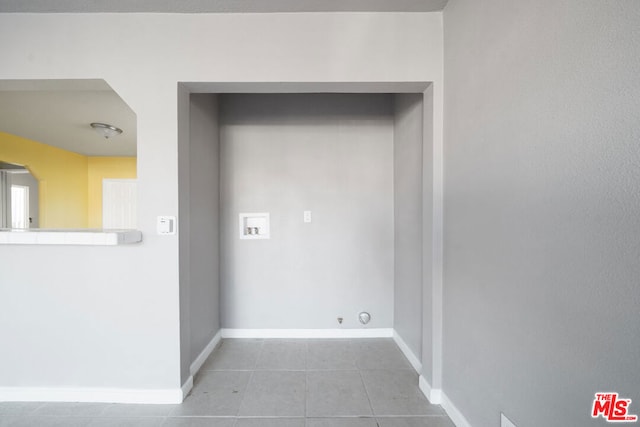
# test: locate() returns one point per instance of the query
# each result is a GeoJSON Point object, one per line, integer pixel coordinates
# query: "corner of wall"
{"type": "Point", "coordinates": [438, 397]}
{"type": "Point", "coordinates": [206, 352]}
{"type": "Point", "coordinates": [433, 395]}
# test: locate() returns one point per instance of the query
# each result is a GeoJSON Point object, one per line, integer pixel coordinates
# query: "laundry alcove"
{"type": "Point", "coordinates": [352, 156]}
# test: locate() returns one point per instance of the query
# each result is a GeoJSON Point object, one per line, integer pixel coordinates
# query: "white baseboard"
{"type": "Point", "coordinates": [434, 395]}
{"type": "Point", "coordinates": [456, 416]}
{"type": "Point", "coordinates": [102, 395]}
{"type": "Point", "coordinates": [308, 333]}
{"type": "Point", "coordinates": [411, 357]}
{"type": "Point", "coordinates": [204, 354]}
{"type": "Point", "coordinates": [199, 361]}
{"type": "Point", "coordinates": [110, 395]}
{"type": "Point", "coordinates": [438, 397]}
{"type": "Point", "coordinates": [187, 386]}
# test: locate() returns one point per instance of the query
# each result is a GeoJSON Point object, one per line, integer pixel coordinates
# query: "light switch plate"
{"type": "Point", "coordinates": [307, 216]}
{"type": "Point", "coordinates": [166, 225]}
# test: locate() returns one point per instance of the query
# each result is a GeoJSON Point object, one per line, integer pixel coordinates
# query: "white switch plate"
{"type": "Point", "coordinates": [307, 216]}
{"type": "Point", "coordinates": [166, 225]}
{"type": "Point", "coordinates": [505, 422]}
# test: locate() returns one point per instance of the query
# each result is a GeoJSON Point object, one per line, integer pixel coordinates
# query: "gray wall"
{"type": "Point", "coordinates": [327, 153]}
{"type": "Point", "coordinates": [407, 203]}
{"type": "Point", "coordinates": [199, 234]}
{"type": "Point", "coordinates": [542, 198]}
{"type": "Point", "coordinates": [429, 322]}
{"type": "Point", "coordinates": [205, 217]}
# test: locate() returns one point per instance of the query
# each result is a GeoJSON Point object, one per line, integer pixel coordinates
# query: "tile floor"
{"type": "Point", "coordinates": [270, 383]}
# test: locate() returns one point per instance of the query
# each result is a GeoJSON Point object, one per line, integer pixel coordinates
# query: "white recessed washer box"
{"type": "Point", "coordinates": [254, 226]}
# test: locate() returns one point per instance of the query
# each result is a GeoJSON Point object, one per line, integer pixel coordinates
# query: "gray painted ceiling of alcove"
{"type": "Point", "coordinates": [218, 6]}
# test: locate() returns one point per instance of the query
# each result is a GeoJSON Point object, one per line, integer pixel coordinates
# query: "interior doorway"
{"type": "Point", "coordinates": [19, 197]}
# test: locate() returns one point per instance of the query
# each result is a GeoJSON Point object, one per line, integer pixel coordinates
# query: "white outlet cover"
{"type": "Point", "coordinates": [505, 422]}
{"type": "Point", "coordinates": [254, 226]}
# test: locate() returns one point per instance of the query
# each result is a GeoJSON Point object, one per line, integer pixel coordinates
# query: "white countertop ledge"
{"type": "Point", "coordinates": [92, 237]}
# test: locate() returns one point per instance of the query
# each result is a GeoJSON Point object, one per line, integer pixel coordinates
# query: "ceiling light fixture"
{"type": "Point", "coordinates": [105, 130]}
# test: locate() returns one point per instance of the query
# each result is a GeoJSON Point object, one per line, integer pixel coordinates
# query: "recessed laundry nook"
{"type": "Point", "coordinates": [305, 212]}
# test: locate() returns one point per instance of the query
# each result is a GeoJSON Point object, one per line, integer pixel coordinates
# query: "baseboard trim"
{"type": "Point", "coordinates": [308, 333]}
{"type": "Point", "coordinates": [204, 354]}
{"type": "Point", "coordinates": [187, 386]}
{"type": "Point", "coordinates": [411, 357]}
{"type": "Point", "coordinates": [456, 416]}
{"type": "Point", "coordinates": [98, 395]}
{"type": "Point", "coordinates": [434, 395]}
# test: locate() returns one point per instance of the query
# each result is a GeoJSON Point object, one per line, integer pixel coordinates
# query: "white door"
{"type": "Point", "coordinates": [19, 206]}
{"type": "Point", "coordinates": [119, 203]}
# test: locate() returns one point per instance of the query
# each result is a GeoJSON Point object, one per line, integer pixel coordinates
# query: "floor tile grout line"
{"type": "Point", "coordinates": [366, 392]}
{"type": "Point", "coordinates": [271, 417]}
{"type": "Point", "coordinates": [244, 394]}
{"type": "Point", "coordinates": [306, 380]}
{"type": "Point", "coordinates": [268, 370]}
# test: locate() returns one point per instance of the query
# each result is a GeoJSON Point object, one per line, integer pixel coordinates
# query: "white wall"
{"type": "Point", "coordinates": [327, 153]}
{"type": "Point", "coordinates": [542, 199]}
{"type": "Point", "coordinates": [408, 226]}
{"type": "Point", "coordinates": [109, 317]}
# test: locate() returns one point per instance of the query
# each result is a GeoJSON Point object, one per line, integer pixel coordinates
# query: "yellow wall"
{"type": "Point", "coordinates": [100, 168]}
{"type": "Point", "coordinates": [61, 175]}
{"type": "Point", "coordinates": [70, 184]}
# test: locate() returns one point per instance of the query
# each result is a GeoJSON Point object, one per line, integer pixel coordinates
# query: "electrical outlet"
{"type": "Point", "coordinates": [340, 320]}
{"type": "Point", "coordinates": [505, 422]}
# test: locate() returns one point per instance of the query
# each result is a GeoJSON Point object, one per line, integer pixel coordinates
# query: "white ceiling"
{"type": "Point", "coordinates": [58, 113]}
{"type": "Point", "coordinates": [220, 6]}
